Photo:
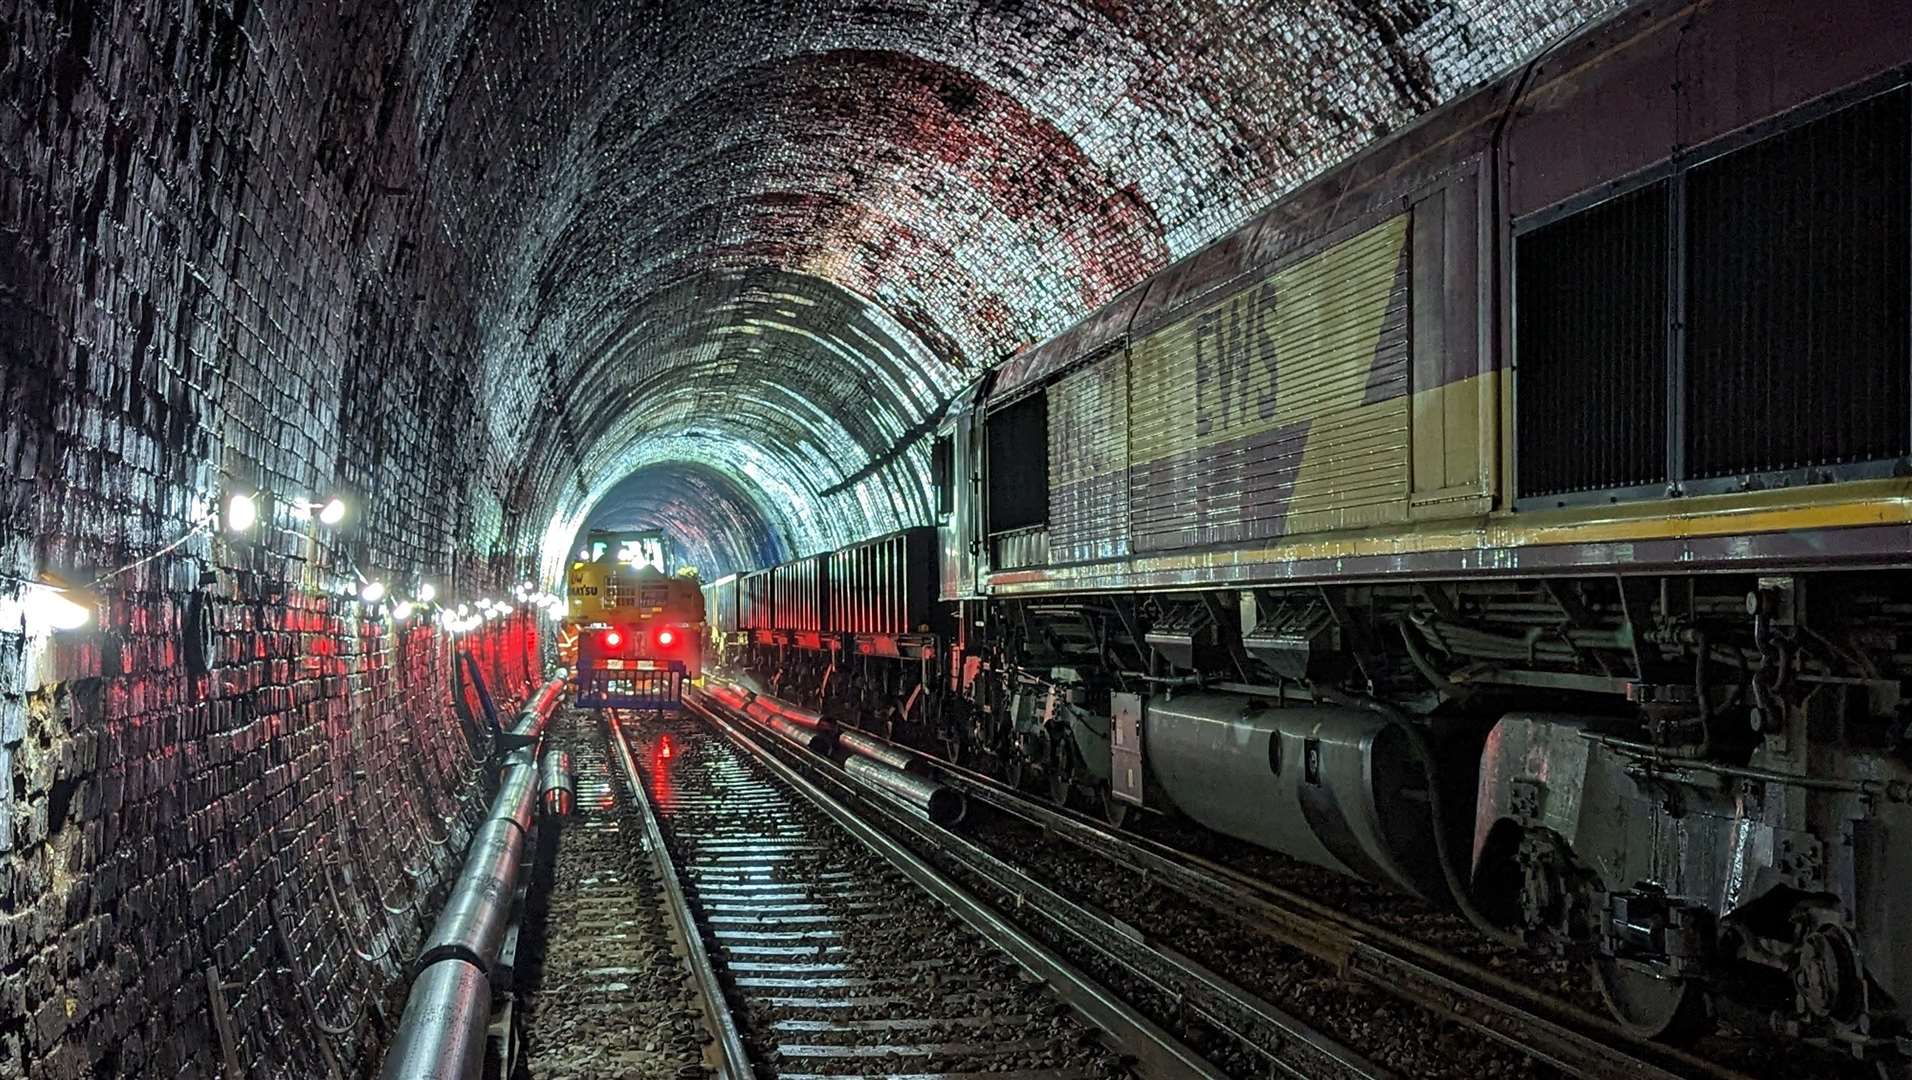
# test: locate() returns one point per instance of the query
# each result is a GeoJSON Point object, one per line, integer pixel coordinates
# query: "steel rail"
{"type": "Point", "coordinates": [1550, 1031]}
{"type": "Point", "coordinates": [733, 1060]}
{"type": "Point", "coordinates": [1156, 1052]}
{"type": "Point", "coordinates": [1289, 1046]}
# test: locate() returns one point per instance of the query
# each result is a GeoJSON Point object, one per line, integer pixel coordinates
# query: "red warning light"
{"type": "Point", "coordinates": [664, 748]}
{"type": "Point", "coordinates": [666, 638]}
{"type": "Point", "coordinates": [613, 639]}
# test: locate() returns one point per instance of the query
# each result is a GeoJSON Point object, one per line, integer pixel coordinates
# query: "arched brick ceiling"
{"type": "Point", "coordinates": [763, 244]}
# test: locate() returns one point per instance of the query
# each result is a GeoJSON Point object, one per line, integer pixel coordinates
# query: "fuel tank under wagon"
{"type": "Point", "coordinates": [1337, 787]}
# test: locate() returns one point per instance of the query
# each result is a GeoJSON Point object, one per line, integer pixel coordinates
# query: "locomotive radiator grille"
{"type": "Point", "coordinates": [1591, 347]}
{"type": "Point", "coordinates": [1798, 295]}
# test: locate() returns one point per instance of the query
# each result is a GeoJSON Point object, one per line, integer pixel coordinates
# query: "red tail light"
{"type": "Point", "coordinates": [664, 748]}
{"type": "Point", "coordinates": [612, 639]}
{"type": "Point", "coordinates": [666, 638]}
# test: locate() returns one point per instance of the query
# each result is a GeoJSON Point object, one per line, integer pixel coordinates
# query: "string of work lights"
{"type": "Point", "coordinates": [242, 512]}
{"type": "Point", "coordinates": [48, 603]}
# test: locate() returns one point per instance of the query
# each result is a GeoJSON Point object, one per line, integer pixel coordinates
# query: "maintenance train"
{"type": "Point", "coordinates": [633, 629]}
{"type": "Point", "coordinates": [1517, 515]}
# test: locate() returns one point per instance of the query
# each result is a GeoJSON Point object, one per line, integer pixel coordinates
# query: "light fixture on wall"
{"type": "Point", "coordinates": [242, 513]}
{"type": "Point", "coordinates": [402, 610]}
{"type": "Point", "coordinates": [330, 512]}
{"type": "Point", "coordinates": [372, 592]}
{"type": "Point", "coordinates": [426, 592]}
{"type": "Point", "coordinates": [45, 605]}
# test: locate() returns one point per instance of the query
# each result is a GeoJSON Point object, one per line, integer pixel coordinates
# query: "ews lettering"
{"type": "Point", "coordinates": [1235, 362]}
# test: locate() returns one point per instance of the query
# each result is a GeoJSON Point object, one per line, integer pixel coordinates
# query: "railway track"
{"type": "Point", "coordinates": [816, 954]}
{"type": "Point", "coordinates": [604, 993]}
{"type": "Point", "coordinates": [1553, 1033]}
{"type": "Point", "coordinates": [1238, 1034]}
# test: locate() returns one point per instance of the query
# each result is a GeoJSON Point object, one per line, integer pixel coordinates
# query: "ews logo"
{"type": "Point", "coordinates": [1235, 362]}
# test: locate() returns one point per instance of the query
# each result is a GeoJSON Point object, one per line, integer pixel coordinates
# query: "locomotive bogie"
{"type": "Point", "coordinates": [1773, 874]}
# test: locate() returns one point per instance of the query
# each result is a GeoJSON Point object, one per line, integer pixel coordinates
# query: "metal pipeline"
{"type": "Point", "coordinates": [531, 720]}
{"type": "Point", "coordinates": [871, 760]}
{"type": "Point", "coordinates": [858, 743]}
{"type": "Point", "coordinates": [796, 714]}
{"type": "Point", "coordinates": [817, 742]}
{"type": "Point", "coordinates": [441, 1035]}
{"type": "Point", "coordinates": [725, 693]}
{"type": "Point", "coordinates": [941, 805]}
{"type": "Point", "coordinates": [557, 784]}
{"type": "Point", "coordinates": [516, 786]}
{"type": "Point", "coordinates": [472, 926]}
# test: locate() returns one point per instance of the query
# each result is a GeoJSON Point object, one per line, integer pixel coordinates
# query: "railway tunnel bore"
{"type": "Point", "coordinates": [492, 276]}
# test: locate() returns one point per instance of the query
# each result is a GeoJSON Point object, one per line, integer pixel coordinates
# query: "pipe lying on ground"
{"type": "Point", "coordinates": [558, 784]}
{"type": "Point", "coordinates": [817, 742]}
{"type": "Point", "coordinates": [531, 720]}
{"type": "Point", "coordinates": [796, 714]}
{"type": "Point", "coordinates": [871, 760]}
{"type": "Point", "coordinates": [472, 926]}
{"type": "Point", "coordinates": [941, 805]}
{"type": "Point", "coordinates": [516, 783]}
{"type": "Point", "coordinates": [441, 1035]}
{"type": "Point", "coordinates": [876, 750]}
{"type": "Point", "coordinates": [725, 694]}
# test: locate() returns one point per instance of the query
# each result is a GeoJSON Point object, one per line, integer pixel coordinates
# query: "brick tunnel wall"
{"type": "Point", "coordinates": [211, 281]}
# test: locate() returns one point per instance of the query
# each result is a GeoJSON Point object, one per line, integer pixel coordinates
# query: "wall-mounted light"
{"type": "Point", "coordinates": [330, 512]}
{"type": "Point", "coordinates": [372, 592]}
{"type": "Point", "coordinates": [402, 610]}
{"type": "Point", "coordinates": [46, 606]}
{"type": "Point", "coordinates": [426, 593]}
{"type": "Point", "coordinates": [242, 512]}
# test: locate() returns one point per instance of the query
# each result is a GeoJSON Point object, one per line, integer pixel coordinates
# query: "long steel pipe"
{"type": "Point", "coordinates": [889, 767]}
{"type": "Point", "coordinates": [441, 1035]}
{"type": "Point", "coordinates": [517, 786]}
{"type": "Point", "coordinates": [941, 805]}
{"type": "Point", "coordinates": [796, 714]}
{"type": "Point", "coordinates": [817, 742]}
{"type": "Point", "coordinates": [472, 926]}
{"type": "Point", "coordinates": [876, 750]}
{"type": "Point", "coordinates": [531, 720]}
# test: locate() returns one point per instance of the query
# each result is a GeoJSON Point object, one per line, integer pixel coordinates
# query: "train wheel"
{"type": "Point", "coordinates": [1670, 1010]}
{"type": "Point", "coordinates": [1059, 787]}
